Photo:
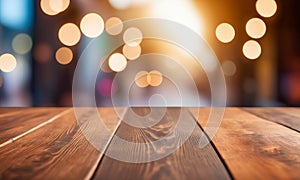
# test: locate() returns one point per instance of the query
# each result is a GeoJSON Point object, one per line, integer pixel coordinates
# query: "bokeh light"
{"type": "Point", "coordinates": [266, 8]}
{"type": "Point", "coordinates": [225, 33]}
{"type": "Point", "coordinates": [252, 49]}
{"type": "Point", "coordinates": [229, 68]}
{"type": "Point", "coordinates": [141, 79]}
{"type": "Point", "coordinates": [132, 36]}
{"type": "Point", "coordinates": [22, 43]}
{"type": "Point", "coordinates": [154, 78]}
{"type": "Point", "coordinates": [117, 62]}
{"type": "Point", "coordinates": [59, 6]}
{"type": "Point", "coordinates": [7, 62]}
{"type": "Point", "coordinates": [42, 52]}
{"type": "Point", "coordinates": [69, 34]}
{"type": "Point", "coordinates": [120, 4]}
{"type": "Point", "coordinates": [256, 28]}
{"type": "Point", "coordinates": [45, 6]}
{"type": "Point", "coordinates": [114, 26]}
{"type": "Point", "coordinates": [131, 52]}
{"type": "Point", "coordinates": [92, 25]}
{"type": "Point", "coordinates": [64, 55]}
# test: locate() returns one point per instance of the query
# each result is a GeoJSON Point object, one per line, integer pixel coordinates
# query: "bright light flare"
{"type": "Point", "coordinates": [92, 25]}
{"type": "Point", "coordinates": [69, 34]}
{"type": "Point", "coordinates": [256, 28]}
{"type": "Point", "coordinates": [117, 62]}
{"type": "Point", "coordinates": [252, 49]}
{"type": "Point", "coordinates": [266, 8]}
{"type": "Point", "coordinates": [225, 33]}
{"type": "Point", "coordinates": [7, 62]}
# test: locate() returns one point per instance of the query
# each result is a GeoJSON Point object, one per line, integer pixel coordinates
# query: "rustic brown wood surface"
{"type": "Point", "coordinates": [289, 117]}
{"type": "Point", "coordinates": [187, 162]}
{"type": "Point", "coordinates": [56, 151]}
{"type": "Point", "coordinates": [255, 148]}
{"type": "Point", "coordinates": [47, 143]}
{"type": "Point", "coordinates": [14, 123]}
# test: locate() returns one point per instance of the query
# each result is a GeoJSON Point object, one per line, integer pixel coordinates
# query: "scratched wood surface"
{"type": "Point", "coordinates": [48, 143]}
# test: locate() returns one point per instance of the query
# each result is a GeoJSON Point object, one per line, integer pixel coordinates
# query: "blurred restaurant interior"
{"type": "Point", "coordinates": [256, 43]}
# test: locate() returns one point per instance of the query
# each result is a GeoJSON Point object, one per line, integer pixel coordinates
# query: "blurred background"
{"type": "Point", "coordinates": [256, 42]}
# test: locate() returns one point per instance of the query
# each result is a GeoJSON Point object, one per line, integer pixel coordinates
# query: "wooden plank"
{"type": "Point", "coordinates": [6, 110]}
{"type": "Point", "coordinates": [289, 117]}
{"type": "Point", "coordinates": [14, 123]}
{"type": "Point", "coordinates": [254, 148]}
{"type": "Point", "coordinates": [58, 150]}
{"type": "Point", "coordinates": [187, 162]}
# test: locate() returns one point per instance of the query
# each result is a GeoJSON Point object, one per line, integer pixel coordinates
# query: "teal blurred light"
{"type": "Point", "coordinates": [17, 14]}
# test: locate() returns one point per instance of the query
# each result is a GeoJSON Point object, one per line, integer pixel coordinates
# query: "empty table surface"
{"type": "Point", "coordinates": [57, 143]}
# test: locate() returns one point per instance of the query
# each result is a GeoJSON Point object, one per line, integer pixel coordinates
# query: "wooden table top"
{"type": "Point", "coordinates": [251, 143]}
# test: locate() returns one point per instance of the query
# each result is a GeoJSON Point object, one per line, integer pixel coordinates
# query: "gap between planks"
{"type": "Point", "coordinates": [282, 122]}
{"type": "Point", "coordinates": [213, 145]}
{"type": "Point", "coordinates": [94, 168]}
{"type": "Point", "coordinates": [35, 128]}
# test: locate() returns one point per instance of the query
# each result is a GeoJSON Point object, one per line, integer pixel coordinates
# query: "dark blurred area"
{"type": "Point", "coordinates": [256, 42]}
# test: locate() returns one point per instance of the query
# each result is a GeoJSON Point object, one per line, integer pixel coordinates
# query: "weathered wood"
{"type": "Point", "coordinates": [58, 150]}
{"type": "Point", "coordinates": [289, 117]}
{"type": "Point", "coordinates": [14, 123]}
{"type": "Point", "coordinates": [254, 148]}
{"type": "Point", "coordinates": [187, 162]}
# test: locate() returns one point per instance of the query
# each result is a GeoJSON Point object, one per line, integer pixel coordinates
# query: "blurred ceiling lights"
{"type": "Point", "coordinates": [225, 33]}
{"type": "Point", "coordinates": [266, 8]}
{"type": "Point", "coordinates": [7, 62]}
{"type": "Point", "coordinates": [256, 28]}
{"type": "Point", "coordinates": [92, 25]}
{"type": "Point", "coordinates": [252, 49]}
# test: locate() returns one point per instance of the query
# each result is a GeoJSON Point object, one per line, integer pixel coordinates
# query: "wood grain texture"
{"type": "Point", "coordinates": [254, 148]}
{"type": "Point", "coordinates": [58, 150]}
{"type": "Point", "coordinates": [187, 162]}
{"type": "Point", "coordinates": [289, 117]}
{"type": "Point", "coordinates": [14, 123]}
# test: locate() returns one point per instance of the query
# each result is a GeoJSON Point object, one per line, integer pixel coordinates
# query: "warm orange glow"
{"type": "Point", "coordinates": [131, 52]}
{"type": "Point", "coordinates": [141, 79]}
{"type": "Point", "coordinates": [117, 62]}
{"type": "Point", "coordinates": [154, 78]}
{"type": "Point", "coordinates": [7, 62]}
{"type": "Point", "coordinates": [69, 34]}
{"type": "Point", "coordinates": [114, 26]}
{"type": "Point", "coordinates": [252, 49]}
{"type": "Point", "coordinates": [266, 8]}
{"type": "Point", "coordinates": [58, 6]}
{"type": "Point", "coordinates": [133, 36]}
{"type": "Point", "coordinates": [256, 28]}
{"type": "Point", "coordinates": [92, 25]}
{"type": "Point", "coordinates": [64, 55]}
{"type": "Point", "coordinates": [225, 33]}
{"type": "Point", "coordinates": [45, 6]}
